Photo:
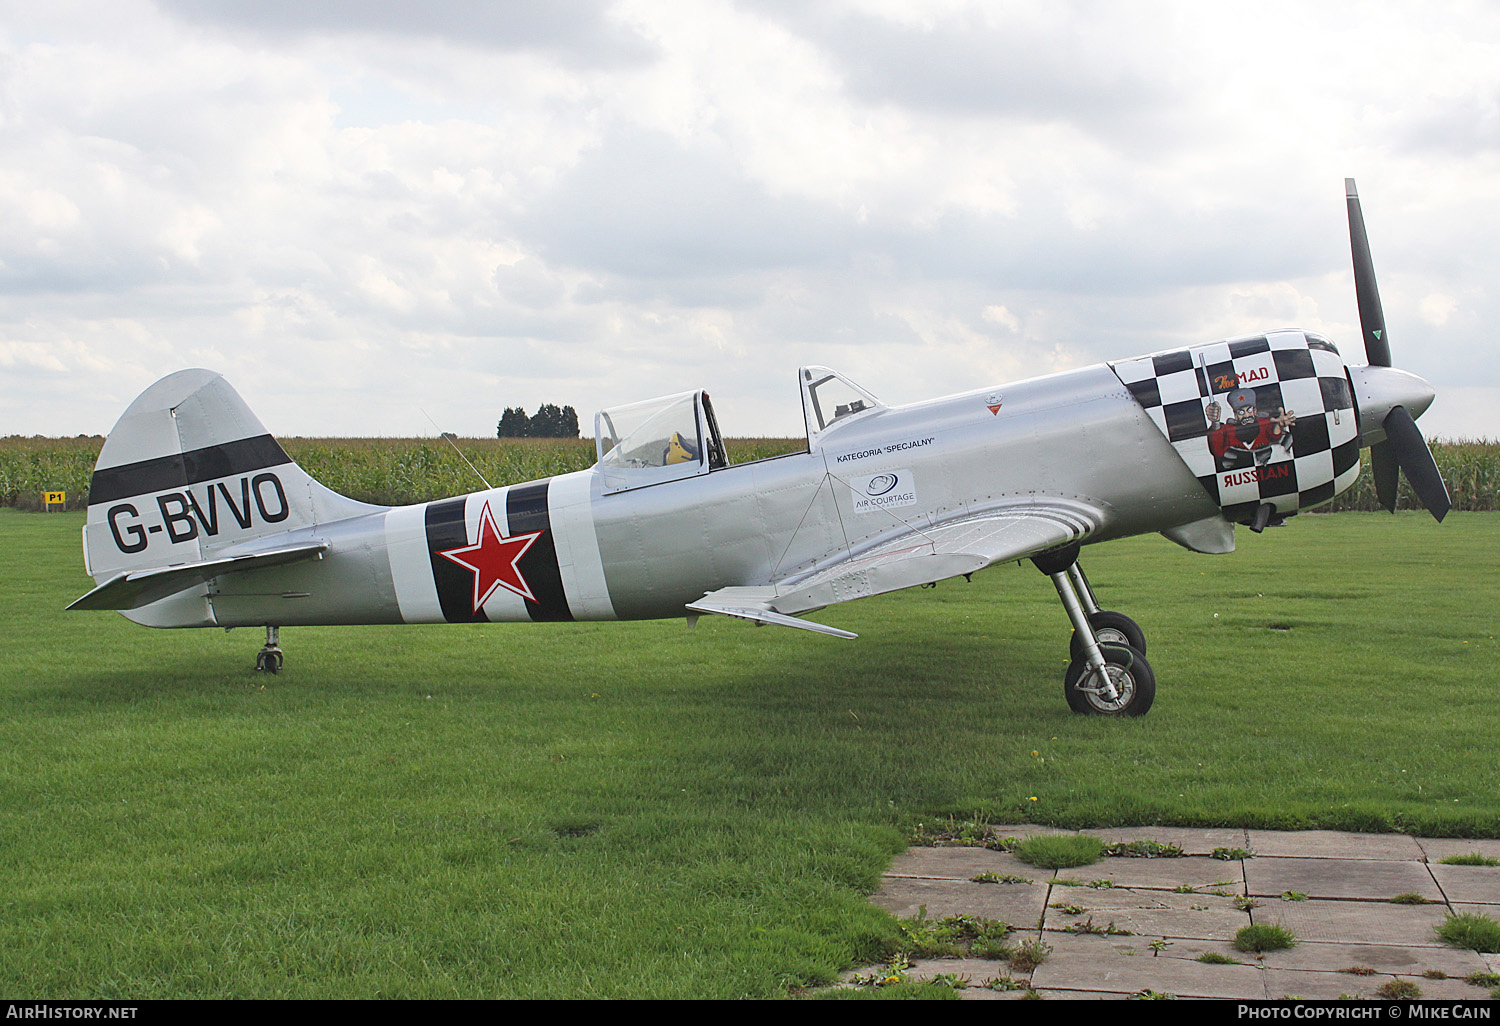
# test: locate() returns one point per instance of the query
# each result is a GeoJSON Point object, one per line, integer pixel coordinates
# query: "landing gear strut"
{"type": "Point", "coordinates": [1108, 674]}
{"type": "Point", "coordinates": [269, 658]}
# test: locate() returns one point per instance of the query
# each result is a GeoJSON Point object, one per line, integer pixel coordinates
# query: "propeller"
{"type": "Point", "coordinates": [1388, 395]}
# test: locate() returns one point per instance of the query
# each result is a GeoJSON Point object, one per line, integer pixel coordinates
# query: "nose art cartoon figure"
{"type": "Point", "coordinates": [1247, 439]}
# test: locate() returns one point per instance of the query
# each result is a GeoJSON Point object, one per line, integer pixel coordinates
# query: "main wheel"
{"type": "Point", "coordinates": [269, 660]}
{"type": "Point", "coordinates": [1134, 683]}
{"type": "Point", "coordinates": [1110, 628]}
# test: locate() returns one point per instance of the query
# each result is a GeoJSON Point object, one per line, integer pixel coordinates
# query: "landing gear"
{"type": "Point", "coordinates": [1127, 689]}
{"type": "Point", "coordinates": [1110, 628]}
{"type": "Point", "coordinates": [1108, 674]}
{"type": "Point", "coordinates": [269, 658]}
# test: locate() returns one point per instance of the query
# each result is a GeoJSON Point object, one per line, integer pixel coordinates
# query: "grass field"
{"type": "Point", "coordinates": [647, 810]}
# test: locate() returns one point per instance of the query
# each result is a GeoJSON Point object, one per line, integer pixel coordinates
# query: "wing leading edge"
{"type": "Point", "coordinates": [924, 555]}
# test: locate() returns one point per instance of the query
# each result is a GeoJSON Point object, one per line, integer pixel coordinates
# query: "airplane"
{"type": "Point", "coordinates": [198, 518]}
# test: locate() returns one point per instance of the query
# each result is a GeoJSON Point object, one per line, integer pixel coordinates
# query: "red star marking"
{"type": "Point", "coordinates": [494, 559]}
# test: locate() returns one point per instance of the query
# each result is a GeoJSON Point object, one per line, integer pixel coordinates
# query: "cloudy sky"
{"type": "Point", "coordinates": [358, 210]}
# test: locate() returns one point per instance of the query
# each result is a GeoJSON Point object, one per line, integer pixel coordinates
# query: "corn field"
{"type": "Point", "coordinates": [388, 471]}
{"type": "Point", "coordinates": [1470, 469]}
{"type": "Point", "coordinates": [395, 471]}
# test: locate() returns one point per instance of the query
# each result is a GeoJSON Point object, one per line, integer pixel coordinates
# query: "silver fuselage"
{"type": "Point", "coordinates": [647, 552]}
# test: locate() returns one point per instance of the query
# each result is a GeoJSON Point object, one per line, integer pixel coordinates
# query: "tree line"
{"type": "Point", "coordinates": [548, 421]}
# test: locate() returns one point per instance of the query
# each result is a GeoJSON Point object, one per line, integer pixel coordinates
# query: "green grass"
{"type": "Point", "coordinates": [647, 811]}
{"type": "Point", "coordinates": [1231, 854]}
{"type": "Point", "coordinates": [1215, 958]}
{"type": "Point", "coordinates": [957, 936]}
{"type": "Point", "coordinates": [1059, 851]}
{"type": "Point", "coordinates": [1145, 849]}
{"type": "Point", "coordinates": [1471, 859]}
{"type": "Point", "coordinates": [1264, 937]}
{"type": "Point", "coordinates": [1473, 930]}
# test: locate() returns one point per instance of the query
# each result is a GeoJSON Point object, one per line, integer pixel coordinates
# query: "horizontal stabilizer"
{"type": "Point", "coordinates": [725, 607]}
{"type": "Point", "coordinates": [132, 589]}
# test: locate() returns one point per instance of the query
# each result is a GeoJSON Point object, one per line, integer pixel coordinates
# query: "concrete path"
{"type": "Point", "coordinates": [1124, 926]}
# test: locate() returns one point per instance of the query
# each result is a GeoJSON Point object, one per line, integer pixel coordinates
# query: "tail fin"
{"type": "Point", "coordinates": [189, 472]}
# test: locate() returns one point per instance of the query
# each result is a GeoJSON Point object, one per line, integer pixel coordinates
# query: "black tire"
{"type": "Point", "coordinates": [269, 661]}
{"type": "Point", "coordinates": [1110, 628]}
{"type": "Point", "coordinates": [1128, 671]}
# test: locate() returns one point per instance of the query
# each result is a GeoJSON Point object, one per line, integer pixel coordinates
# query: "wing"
{"type": "Point", "coordinates": [949, 548]}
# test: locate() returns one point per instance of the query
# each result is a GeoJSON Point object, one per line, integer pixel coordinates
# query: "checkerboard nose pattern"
{"type": "Point", "coordinates": [1267, 419]}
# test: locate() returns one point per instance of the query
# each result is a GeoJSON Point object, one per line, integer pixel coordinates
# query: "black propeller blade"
{"type": "Point", "coordinates": [1371, 316]}
{"type": "Point", "coordinates": [1404, 448]}
{"type": "Point", "coordinates": [1387, 474]}
{"type": "Point", "coordinates": [1415, 459]}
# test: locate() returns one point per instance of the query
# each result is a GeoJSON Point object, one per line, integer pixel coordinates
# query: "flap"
{"type": "Point", "coordinates": [747, 604]}
{"type": "Point", "coordinates": [956, 547]}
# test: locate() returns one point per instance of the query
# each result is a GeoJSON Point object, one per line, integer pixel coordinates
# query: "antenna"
{"type": "Point", "coordinates": [456, 449]}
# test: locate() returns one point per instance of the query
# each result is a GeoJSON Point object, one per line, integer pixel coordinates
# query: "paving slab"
{"type": "Point", "coordinates": [1192, 840]}
{"type": "Point", "coordinates": [1187, 949]}
{"type": "Point", "coordinates": [1355, 922]}
{"type": "Point", "coordinates": [1020, 905]}
{"type": "Point", "coordinates": [1391, 959]}
{"type": "Point", "coordinates": [1438, 848]}
{"type": "Point", "coordinates": [1096, 964]}
{"type": "Point", "coordinates": [1473, 885]}
{"type": "Point", "coordinates": [977, 993]}
{"type": "Point", "coordinates": [1366, 879]}
{"type": "Point", "coordinates": [1195, 871]}
{"type": "Point", "coordinates": [1026, 830]}
{"type": "Point", "coordinates": [1333, 844]}
{"type": "Point", "coordinates": [1146, 913]}
{"type": "Point", "coordinates": [1191, 949]}
{"type": "Point", "coordinates": [1451, 989]}
{"type": "Point", "coordinates": [963, 864]}
{"type": "Point", "coordinates": [1460, 907]}
{"type": "Point", "coordinates": [1348, 922]}
{"type": "Point", "coordinates": [977, 971]}
{"type": "Point", "coordinates": [1310, 985]}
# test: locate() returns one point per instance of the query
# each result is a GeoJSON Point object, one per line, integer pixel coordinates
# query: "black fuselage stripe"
{"type": "Point", "coordinates": [526, 511]}
{"type": "Point", "coordinates": [181, 469]}
{"type": "Point", "coordinates": [448, 528]}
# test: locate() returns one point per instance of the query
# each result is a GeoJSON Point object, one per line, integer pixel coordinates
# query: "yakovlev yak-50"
{"type": "Point", "coordinates": [198, 518]}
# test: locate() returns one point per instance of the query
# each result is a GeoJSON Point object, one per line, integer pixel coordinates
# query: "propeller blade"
{"type": "Point", "coordinates": [1411, 452]}
{"type": "Point", "coordinates": [1371, 316]}
{"type": "Point", "coordinates": [1387, 474]}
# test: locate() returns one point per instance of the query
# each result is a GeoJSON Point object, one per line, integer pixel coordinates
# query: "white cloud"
{"type": "Point", "coordinates": [354, 210]}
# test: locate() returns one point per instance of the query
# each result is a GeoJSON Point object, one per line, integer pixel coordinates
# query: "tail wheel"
{"type": "Point", "coordinates": [1110, 628]}
{"type": "Point", "coordinates": [1129, 674]}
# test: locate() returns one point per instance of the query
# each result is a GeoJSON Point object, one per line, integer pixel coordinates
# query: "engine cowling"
{"type": "Point", "coordinates": [1265, 420]}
